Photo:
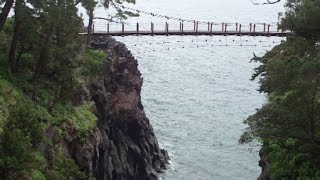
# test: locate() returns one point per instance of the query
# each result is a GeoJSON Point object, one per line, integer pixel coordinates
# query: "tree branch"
{"type": "Point", "coordinates": [107, 19]}
{"type": "Point", "coordinates": [268, 2]}
{"type": "Point", "coordinates": [273, 2]}
{"type": "Point", "coordinates": [77, 2]}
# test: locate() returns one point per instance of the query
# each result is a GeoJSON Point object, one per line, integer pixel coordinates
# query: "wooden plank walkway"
{"type": "Point", "coordinates": [189, 33]}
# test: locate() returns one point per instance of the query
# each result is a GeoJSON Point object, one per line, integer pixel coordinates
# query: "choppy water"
{"type": "Point", "coordinates": [197, 90]}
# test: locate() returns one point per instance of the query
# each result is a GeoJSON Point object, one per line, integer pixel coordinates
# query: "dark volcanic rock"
{"type": "Point", "coordinates": [123, 146]}
{"type": "Point", "coordinates": [264, 164]}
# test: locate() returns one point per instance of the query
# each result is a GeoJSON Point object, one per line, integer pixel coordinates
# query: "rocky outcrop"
{"type": "Point", "coordinates": [263, 163]}
{"type": "Point", "coordinates": [123, 145]}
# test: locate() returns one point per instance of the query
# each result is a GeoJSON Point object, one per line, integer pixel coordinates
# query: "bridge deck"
{"type": "Point", "coordinates": [189, 32]}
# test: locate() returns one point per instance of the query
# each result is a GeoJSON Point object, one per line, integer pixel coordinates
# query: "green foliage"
{"type": "Point", "coordinates": [49, 46]}
{"type": "Point", "coordinates": [52, 65]}
{"type": "Point", "coordinates": [84, 120]}
{"type": "Point", "coordinates": [5, 36]}
{"type": "Point", "coordinates": [63, 168]}
{"type": "Point", "coordinates": [90, 65]}
{"type": "Point", "coordinates": [30, 118]}
{"type": "Point", "coordinates": [37, 175]}
{"type": "Point", "coordinates": [289, 124]}
{"type": "Point", "coordinates": [302, 17]}
{"type": "Point", "coordinates": [43, 66]}
{"type": "Point", "coordinates": [290, 74]}
{"type": "Point", "coordinates": [8, 99]}
{"type": "Point", "coordinates": [288, 164]}
{"type": "Point", "coordinates": [22, 125]}
{"type": "Point", "coordinates": [80, 118]}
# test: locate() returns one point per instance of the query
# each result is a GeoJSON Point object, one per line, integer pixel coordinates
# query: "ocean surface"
{"type": "Point", "coordinates": [196, 89]}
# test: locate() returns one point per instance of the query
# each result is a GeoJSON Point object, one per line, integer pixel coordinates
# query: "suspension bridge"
{"type": "Point", "coordinates": [194, 29]}
{"type": "Point", "coordinates": [182, 27]}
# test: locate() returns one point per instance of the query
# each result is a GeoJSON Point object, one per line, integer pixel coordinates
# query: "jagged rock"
{"type": "Point", "coordinates": [123, 145]}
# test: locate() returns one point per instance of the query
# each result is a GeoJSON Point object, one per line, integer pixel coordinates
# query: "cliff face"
{"type": "Point", "coordinates": [123, 144]}
{"type": "Point", "coordinates": [264, 164]}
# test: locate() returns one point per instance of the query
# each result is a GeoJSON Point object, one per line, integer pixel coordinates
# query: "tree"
{"type": "Point", "coordinates": [47, 33]}
{"type": "Point", "coordinates": [89, 5]}
{"type": "Point", "coordinates": [303, 18]}
{"type": "Point", "coordinates": [289, 124]}
{"type": "Point", "coordinates": [19, 11]}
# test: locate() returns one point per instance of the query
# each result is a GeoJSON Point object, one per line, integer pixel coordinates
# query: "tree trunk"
{"type": "Point", "coordinates": [5, 12]}
{"type": "Point", "coordinates": [59, 27]}
{"type": "Point", "coordinates": [43, 56]}
{"type": "Point", "coordinates": [13, 47]}
{"type": "Point", "coordinates": [16, 33]}
{"type": "Point", "coordinates": [89, 31]}
{"type": "Point", "coordinates": [15, 38]}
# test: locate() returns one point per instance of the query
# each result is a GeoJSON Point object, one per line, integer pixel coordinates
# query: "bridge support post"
{"type": "Point", "coordinates": [197, 27]}
{"type": "Point", "coordinates": [254, 29]}
{"type": "Point", "coordinates": [225, 29]}
{"type": "Point", "coordinates": [93, 28]}
{"type": "Point", "coordinates": [250, 27]}
{"type": "Point", "coordinates": [152, 28]}
{"type": "Point", "coordinates": [194, 25]}
{"type": "Point", "coordinates": [122, 29]}
{"type": "Point", "coordinates": [264, 27]}
{"type": "Point", "coordinates": [268, 29]}
{"type": "Point", "coordinates": [182, 28]}
{"type": "Point", "coordinates": [222, 27]}
{"type": "Point", "coordinates": [211, 27]}
{"type": "Point", "coordinates": [167, 28]}
{"type": "Point", "coordinates": [240, 29]}
{"type": "Point", "coordinates": [137, 29]}
{"type": "Point", "coordinates": [236, 26]}
{"type": "Point", "coordinates": [108, 28]}
{"type": "Point", "coordinates": [208, 26]}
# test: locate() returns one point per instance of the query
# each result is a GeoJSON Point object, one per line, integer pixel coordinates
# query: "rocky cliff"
{"type": "Point", "coordinates": [123, 145]}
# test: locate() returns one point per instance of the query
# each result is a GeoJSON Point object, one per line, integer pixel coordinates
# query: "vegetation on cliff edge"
{"type": "Point", "coordinates": [289, 124]}
{"type": "Point", "coordinates": [43, 65]}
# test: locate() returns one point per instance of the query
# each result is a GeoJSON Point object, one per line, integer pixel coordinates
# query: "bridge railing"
{"type": "Point", "coordinates": [184, 27]}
